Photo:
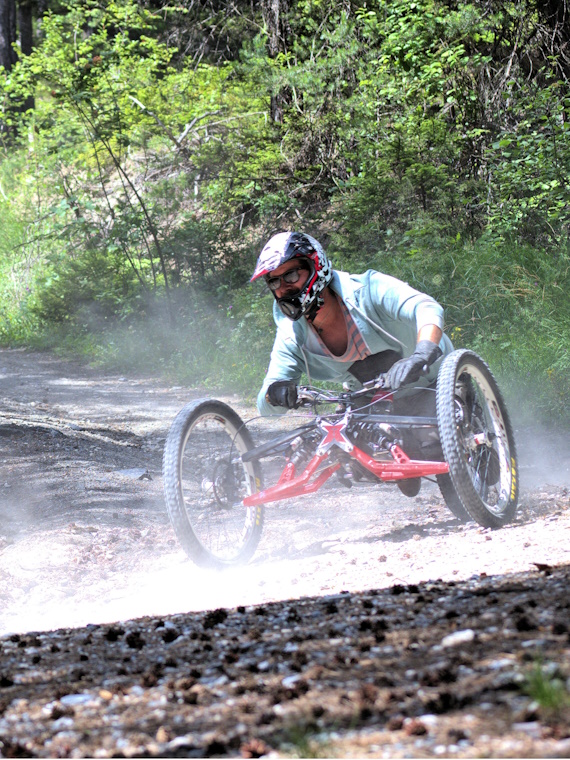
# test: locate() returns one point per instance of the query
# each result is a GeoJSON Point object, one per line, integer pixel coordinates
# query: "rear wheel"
{"type": "Point", "coordinates": [477, 439]}
{"type": "Point", "coordinates": [205, 482]}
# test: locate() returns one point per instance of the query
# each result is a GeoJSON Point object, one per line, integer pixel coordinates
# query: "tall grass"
{"type": "Point", "coordinates": [18, 260]}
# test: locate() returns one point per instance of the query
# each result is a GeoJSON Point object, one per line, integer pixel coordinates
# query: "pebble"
{"type": "Point", "coordinates": [290, 681]}
{"type": "Point", "coordinates": [533, 728]}
{"type": "Point", "coordinates": [136, 473]}
{"type": "Point", "coordinates": [458, 637]}
{"type": "Point", "coordinates": [70, 700]}
{"type": "Point", "coordinates": [499, 664]}
{"type": "Point", "coordinates": [62, 723]}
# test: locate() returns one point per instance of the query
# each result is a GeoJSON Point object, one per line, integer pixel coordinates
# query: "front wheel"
{"type": "Point", "coordinates": [205, 482]}
{"type": "Point", "coordinates": [477, 439]}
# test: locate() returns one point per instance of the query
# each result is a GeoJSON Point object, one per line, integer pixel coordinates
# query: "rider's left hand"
{"type": "Point", "coordinates": [409, 370]}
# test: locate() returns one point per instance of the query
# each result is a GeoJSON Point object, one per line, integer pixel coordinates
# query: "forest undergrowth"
{"type": "Point", "coordinates": [147, 152]}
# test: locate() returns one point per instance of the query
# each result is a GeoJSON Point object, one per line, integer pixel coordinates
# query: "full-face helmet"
{"type": "Point", "coordinates": [285, 246]}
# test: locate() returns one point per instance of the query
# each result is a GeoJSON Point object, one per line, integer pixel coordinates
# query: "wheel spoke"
{"type": "Point", "coordinates": [477, 439]}
{"type": "Point", "coordinates": [206, 506]}
{"type": "Point", "coordinates": [214, 490]}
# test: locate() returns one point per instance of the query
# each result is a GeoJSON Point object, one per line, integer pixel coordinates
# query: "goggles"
{"type": "Point", "coordinates": [290, 277]}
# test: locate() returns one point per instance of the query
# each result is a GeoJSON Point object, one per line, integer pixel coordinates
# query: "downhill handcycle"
{"type": "Point", "coordinates": [212, 469]}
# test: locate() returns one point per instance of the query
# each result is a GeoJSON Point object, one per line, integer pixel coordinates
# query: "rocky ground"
{"type": "Point", "coordinates": [367, 624]}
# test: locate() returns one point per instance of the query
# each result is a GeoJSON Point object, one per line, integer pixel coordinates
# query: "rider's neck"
{"type": "Point", "coordinates": [330, 324]}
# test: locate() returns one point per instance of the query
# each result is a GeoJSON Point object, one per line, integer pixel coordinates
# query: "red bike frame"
{"type": "Point", "coordinates": [290, 484]}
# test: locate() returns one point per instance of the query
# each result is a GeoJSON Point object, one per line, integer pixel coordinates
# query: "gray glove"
{"type": "Point", "coordinates": [282, 393]}
{"type": "Point", "coordinates": [409, 370]}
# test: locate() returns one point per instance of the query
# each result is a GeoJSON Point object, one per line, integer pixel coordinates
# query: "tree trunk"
{"type": "Point", "coordinates": [275, 19]}
{"type": "Point", "coordinates": [8, 55]}
{"type": "Point", "coordinates": [25, 26]}
{"type": "Point", "coordinates": [41, 8]}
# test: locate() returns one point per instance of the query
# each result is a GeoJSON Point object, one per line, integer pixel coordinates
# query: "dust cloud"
{"type": "Point", "coordinates": [84, 540]}
{"type": "Point", "coordinates": [544, 456]}
{"type": "Point", "coordinates": [84, 574]}
{"type": "Point", "coordinates": [171, 584]}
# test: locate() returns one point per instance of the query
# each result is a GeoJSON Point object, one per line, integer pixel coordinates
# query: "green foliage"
{"type": "Point", "coordinates": [126, 150]}
{"type": "Point", "coordinates": [413, 137]}
{"type": "Point", "coordinates": [302, 740]}
{"type": "Point", "coordinates": [18, 262]}
{"type": "Point", "coordinates": [530, 164]}
{"type": "Point", "coordinates": [508, 302]}
{"type": "Point", "coordinates": [98, 282]}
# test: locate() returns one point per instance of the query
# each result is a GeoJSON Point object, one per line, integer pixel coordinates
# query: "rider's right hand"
{"type": "Point", "coordinates": [283, 393]}
{"type": "Point", "coordinates": [409, 370]}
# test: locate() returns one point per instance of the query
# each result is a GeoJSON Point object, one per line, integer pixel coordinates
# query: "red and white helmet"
{"type": "Point", "coordinates": [290, 245]}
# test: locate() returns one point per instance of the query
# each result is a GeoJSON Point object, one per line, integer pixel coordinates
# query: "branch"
{"type": "Point", "coordinates": [188, 127]}
{"type": "Point", "coordinates": [155, 117]}
{"type": "Point", "coordinates": [178, 140]}
{"type": "Point", "coordinates": [221, 121]}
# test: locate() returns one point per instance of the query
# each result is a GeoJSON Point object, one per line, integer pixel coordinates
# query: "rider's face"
{"type": "Point", "coordinates": [286, 288]}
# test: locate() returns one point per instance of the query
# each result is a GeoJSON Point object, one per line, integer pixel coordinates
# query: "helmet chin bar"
{"type": "Point", "coordinates": [293, 310]}
{"type": "Point", "coordinates": [291, 307]}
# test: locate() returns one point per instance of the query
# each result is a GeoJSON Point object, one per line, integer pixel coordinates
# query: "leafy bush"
{"type": "Point", "coordinates": [412, 137]}
{"type": "Point", "coordinates": [508, 302]}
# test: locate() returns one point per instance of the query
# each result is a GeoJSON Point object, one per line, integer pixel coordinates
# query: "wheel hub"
{"type": "Point", "coordinates": [224, 486]}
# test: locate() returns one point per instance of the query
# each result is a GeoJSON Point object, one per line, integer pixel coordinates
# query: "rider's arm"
{"type": "Point", "coordinates": [411, 316]}
{"type": "Point", "coordinates": [285, 364]}
{"type": "Point", "coordinates": [430, 332]}
{"type": "Point", "coordinates": [407, 313]}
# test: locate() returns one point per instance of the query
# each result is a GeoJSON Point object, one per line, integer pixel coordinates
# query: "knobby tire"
{"type": "Point", "coordinates": [205, 481]}
{"type": "Point", "coordinates": [477, 439]}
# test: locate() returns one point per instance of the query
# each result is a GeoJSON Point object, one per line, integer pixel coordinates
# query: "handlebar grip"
{"type": "Point", "coordinates": [305, 397]}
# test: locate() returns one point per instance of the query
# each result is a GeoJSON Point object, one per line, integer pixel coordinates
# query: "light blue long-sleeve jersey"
{"type": "Point", "coordinates": [388, 312]}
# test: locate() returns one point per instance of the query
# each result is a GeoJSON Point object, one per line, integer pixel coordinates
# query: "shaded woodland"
{"type": "Point", "coordinates": [148, 149]}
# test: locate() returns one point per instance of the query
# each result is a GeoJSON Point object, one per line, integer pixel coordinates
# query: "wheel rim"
{"type": "Point", "coordinates": [214, 481]}
{"type": "Point", "coordinates": [484, 439]}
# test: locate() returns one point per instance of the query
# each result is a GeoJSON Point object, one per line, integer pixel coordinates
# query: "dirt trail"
{"type": "Point", "coordinates": [84, 538]}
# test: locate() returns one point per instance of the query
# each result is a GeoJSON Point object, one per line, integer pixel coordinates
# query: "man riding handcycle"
{"type": "Point", "coordinates": [411, 407]}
